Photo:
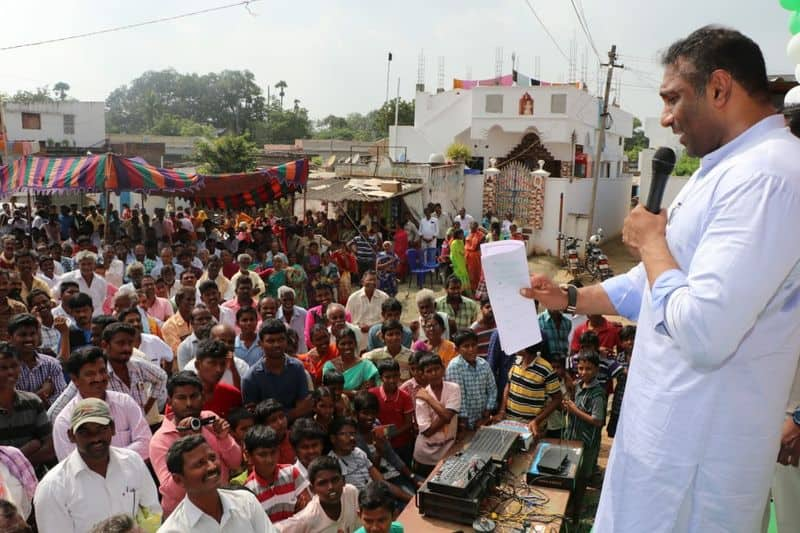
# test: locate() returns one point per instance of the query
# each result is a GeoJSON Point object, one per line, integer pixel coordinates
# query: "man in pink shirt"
{"type": "Point", "coordinates": [158, 308]}
{"type": "Point", "coordinates": [185, 398]}
{"type": "Point", "coordinates": [244, 296]}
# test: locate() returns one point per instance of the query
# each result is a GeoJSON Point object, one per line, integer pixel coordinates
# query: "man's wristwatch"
{"type": "Point", "coordinates": [572, 298]}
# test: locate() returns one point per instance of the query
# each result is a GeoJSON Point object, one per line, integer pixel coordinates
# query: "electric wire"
{"type": "Point", "coordinates": [245, 3]}
{"type": "Point", "coordinates": [541, 22]}
{"type": "Point", "coordinates": [586, 31]}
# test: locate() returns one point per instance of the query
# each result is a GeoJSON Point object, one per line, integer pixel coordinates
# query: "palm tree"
{"type": "Point", "coordinates": [281, 85]}
{"type": "Point", "coordinates": [61, 89]}
{"type": "Point", "coordinates": [296, 105]}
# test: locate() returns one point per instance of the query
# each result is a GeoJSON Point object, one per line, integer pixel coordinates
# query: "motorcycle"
{"type": "Point", "coordinates": [569, 255]}
{"type": "Point", "coordinates": [596, 262]}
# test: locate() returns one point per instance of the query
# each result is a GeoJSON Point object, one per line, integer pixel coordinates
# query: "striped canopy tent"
{"type": "Point", "coordinates": [91, 173]}
{"type": "Point", "coordinates": [250, 189]}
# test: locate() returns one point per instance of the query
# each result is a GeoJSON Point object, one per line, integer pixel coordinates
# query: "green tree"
{"type": "Point", "coordinates": [229, 153]}
{"type": "Point", "coordinates": [282, 126]}
{"type": "Point", "coordinates": [61, 89]}
{"type": "Point", "coordinates": [686, 165]}
{"type": "Point", "coordinates": [230, 99]}
{"type": "Point", "coordinates": [384, 117]}
{"type": "Point", "coordinates": [169, 124]}
{"type": "Point", "coordinates": [281, 85]}
{"type": "Point", "coordinates": [458, 152]}
{"type": "Point", "coordinates": [39, 96]}
{"type": "Point", "coordinates": [637, 142]}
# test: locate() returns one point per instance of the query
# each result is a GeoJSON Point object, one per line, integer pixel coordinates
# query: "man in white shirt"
{"type": "Point", "coordinates": [96, 480]}
{"type": "Point", "coordinates": [207, 508]}
{"type": "Point", "coordinates": [717, 334]}
{"type": "Point", "coordinates": [292, 315]}
{"type": "Point", "coordinates": [365, 304]}
{"type": "Point", "coordinates": [245, 261]}
{"type": "Point", "coordinates": [87, 368]}
{"type": "Point", "coordinates": [444, 222]}
{"type": "Point", "coordinates": [428, 230]}
{"type": "Point", "coordinates": [115, 268]}
{"type": "Point", "coordinates": [334, 507]}
{"type": "Point", "coordinates": [88, 282]}
{"type": "Point", "coordinates": [464, 220]}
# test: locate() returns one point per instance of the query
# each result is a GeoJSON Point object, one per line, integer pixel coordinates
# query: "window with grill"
{"type": "Point", "coordinates": [31, 121]}
{"type": "Point", "coordinates": [494, 103]}
{"type": "Point", "coordinates": [69, 124]}
{"type": "Point", "coordinates": [558, 103]}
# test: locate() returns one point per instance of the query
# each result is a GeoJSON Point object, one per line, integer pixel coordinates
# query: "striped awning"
{"type": "Point", "coordinates": [250, 189]}
{"type": "Point", "coordinates": [91, 173]}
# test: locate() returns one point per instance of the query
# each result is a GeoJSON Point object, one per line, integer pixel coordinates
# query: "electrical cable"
{"type": "Point", "coordinates": [245, 3]}
{"type": "Point", "coordinates": [585, 29]}
{"type": "Point", "coordinates": [535, 14]}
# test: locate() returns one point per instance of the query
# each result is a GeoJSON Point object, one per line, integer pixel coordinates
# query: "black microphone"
{"type": "Point", "coordinates": [663, 163]}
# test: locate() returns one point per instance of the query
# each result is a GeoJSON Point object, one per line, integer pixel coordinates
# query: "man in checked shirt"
{"type": "Point", "coordinates": [141, 379]}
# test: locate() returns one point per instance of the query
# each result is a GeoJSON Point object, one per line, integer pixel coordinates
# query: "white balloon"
{"type": "Point", "coordinates": [792, 98]}
{"type": "Point", "coordinates": [793, 48]}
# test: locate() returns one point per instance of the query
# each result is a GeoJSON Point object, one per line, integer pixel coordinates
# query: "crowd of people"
{"type": "Point", "coordinates": [236, 370]}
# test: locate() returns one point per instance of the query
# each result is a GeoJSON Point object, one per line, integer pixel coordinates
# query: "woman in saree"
{"type": "Point", "coordinates": [457, 258]}
{"type": "Point", "coordinates": [359, 374]}
{"type": "Point", "coordinates": [472, 253]}
{"type": "Point", "coordinates": [386, 266]}
{"type": "Point", "coordinates": [278, 276]}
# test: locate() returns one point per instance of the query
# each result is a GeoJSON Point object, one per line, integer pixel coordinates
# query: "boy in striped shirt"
{"type": "Point", "coordinates": [281, 489]}
{"type": "Point", "coordinates": [533, 391]}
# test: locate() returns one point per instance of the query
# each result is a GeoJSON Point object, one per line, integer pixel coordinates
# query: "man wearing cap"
{"type": "Point", "coordinates": [96, 480]}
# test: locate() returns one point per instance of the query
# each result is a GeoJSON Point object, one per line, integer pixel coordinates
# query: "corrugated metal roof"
{"type": "Point", "coordinates": [355, 190]}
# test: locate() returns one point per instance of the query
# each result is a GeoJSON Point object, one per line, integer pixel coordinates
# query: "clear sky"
{"type": "Point", "coordinates": [332, 53]}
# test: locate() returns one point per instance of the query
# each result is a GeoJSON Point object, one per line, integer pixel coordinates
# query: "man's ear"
{"type": "Point", "coordinates": [70, 435]}
{"type": "Point", "coordinates": [720, 87]}
{"type": "Point", "coordinates": [178, 479]}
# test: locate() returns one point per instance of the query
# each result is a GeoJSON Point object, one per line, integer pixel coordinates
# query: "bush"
{"type": "Point", "coordinates": [458, 152]}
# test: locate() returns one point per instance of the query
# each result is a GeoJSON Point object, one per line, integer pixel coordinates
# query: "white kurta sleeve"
{"type": "Point", "coordinates": [741, 261]}
{"type": "Point", "coordinates": [625, 291]}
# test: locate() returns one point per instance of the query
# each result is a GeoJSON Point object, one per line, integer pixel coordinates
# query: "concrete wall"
{"type": "Point", "coordinates": [674, 184]}
{"type": "Point", "coordinates": [173, 144]}
{"type": "Point", "coordinates": [613, 204]}
{"type": "Point", "coordinates": [90, 122]}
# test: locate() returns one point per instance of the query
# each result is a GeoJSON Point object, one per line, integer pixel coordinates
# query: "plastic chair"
{"type": "Point", "coordinates": [415, 266]}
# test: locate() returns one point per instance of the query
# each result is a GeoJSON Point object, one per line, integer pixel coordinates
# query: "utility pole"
{"type": "Point", "coordinates": [601, 139]}
{"type": "Point", "coordinates": [388, 70]}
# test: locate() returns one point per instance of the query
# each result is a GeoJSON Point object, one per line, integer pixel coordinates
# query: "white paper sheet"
{"type": "Point", "coordinates": [505, 268]}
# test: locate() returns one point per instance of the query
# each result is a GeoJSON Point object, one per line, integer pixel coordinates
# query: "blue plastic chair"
{"type": "Point", "coordinates": [415, 266]}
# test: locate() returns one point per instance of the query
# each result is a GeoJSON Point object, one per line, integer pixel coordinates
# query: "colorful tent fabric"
{"type": "Point", "coordinates": [234, 191]}
{"type": "Point", "coordinates": [91, 173]}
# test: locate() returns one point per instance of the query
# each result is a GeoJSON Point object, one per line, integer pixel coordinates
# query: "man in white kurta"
{"type": "Point", "coordinates": [717, 300]}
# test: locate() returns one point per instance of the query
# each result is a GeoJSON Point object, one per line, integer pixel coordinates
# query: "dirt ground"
{"type": "Point", "coordinates": [620, 261]}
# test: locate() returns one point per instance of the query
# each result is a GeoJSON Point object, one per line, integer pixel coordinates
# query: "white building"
{"type": "Point", "coordinates": [519, 126]}
{"type": "Point", "coordinates": [80, 124]}
{"type": "Point", "coordinates": [660, 136]}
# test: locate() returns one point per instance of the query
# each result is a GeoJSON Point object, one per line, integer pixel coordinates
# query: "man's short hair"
{"type": "Point", "coordinates": [246, 311]}
{"type": "Point", "coordinates": [136, 266]}
{"type": "Point", "coordinates": [207, 285]}
{"type": "Point", "coordinates": [121, 523]}
{"type": "Point", "coordinates": [85, 254]}
{"type": "Point", "coordinates": [244, 257]}
{"type": "Point", "coordinates": [183, 292]}
{"type": "Point", "coordinates": [64, 285]}
{"type": "Point", "coordinates": [374, 496]}
{"type": "Point", "coordinates": [627, 333]}
{"type": "Point", "coordinates": [211, 349]}
{"type": "Point", "coordinates": [323, 463]}
{"type": "Point", "coordinates": [243, 280]}
{"type": "Point", "coordinates": [271, 326]}
{"type": "Point", "coordinates": [364, 400]}
{"type": "Point", "coordinates": [464, 335]}
{"type": "Point", "coordinates": [184, 378]}
{"type": "Point", "coordinates": [266, 408]}
{"type": "Point", "coordinates": [283, 290]}
{"type": "Point", "coordinates": [306, 429]}
{"type": "Point", "coordinates": [387, 365]}
{"type": "Point", "coordinates": [7, 350]}
{"type": "Point", "coordinates": [429, 359]}
{"type": "Point", "coordinates": [713, 48]}
{"type": "Point", "coordinates": [179, 447]}
{"type": "Point", "coordinates": [79, 301]}
{"type": "Point", "coordinates": [332, 377]}
{"type": "Point", "coordinates": [391, 305]}
{"type": "Point", "coordinates": [261, 436]}
{"type": "Point", "coordinates": [391, 325]}
{"type": "Point", "coordinates": [83, 356]}
{"type": "Point", "coordinates": [589, 356]}
{"type": "Point", "coordinates": [117, 327]}
{"type": "Point", "coordinates": [129, 311]}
